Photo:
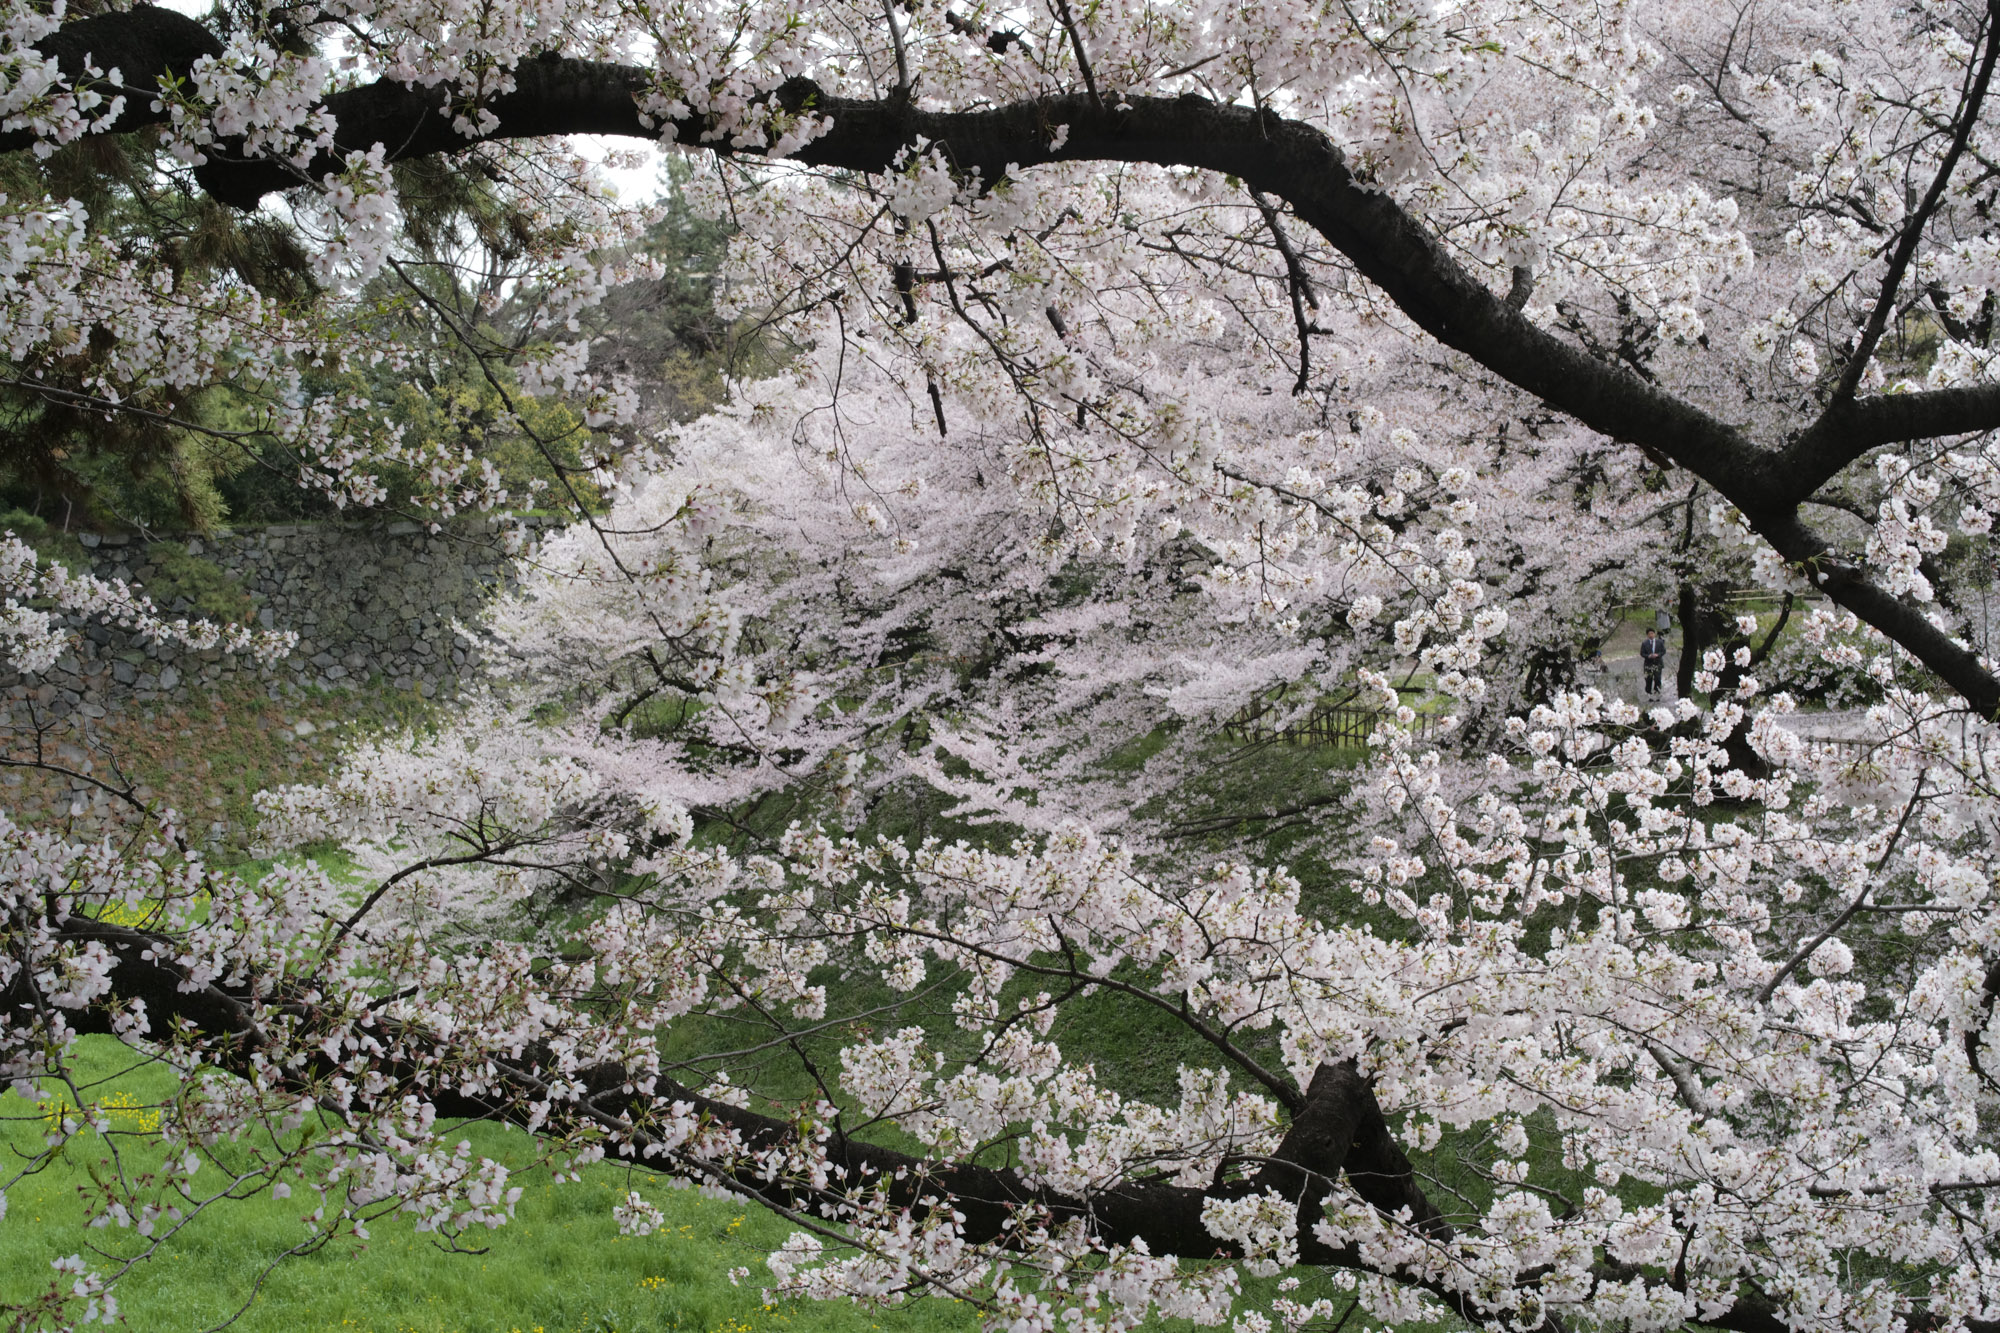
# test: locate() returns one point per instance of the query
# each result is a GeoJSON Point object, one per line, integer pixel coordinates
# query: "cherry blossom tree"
{"type": "Point", "coordinates": [1153, 362]}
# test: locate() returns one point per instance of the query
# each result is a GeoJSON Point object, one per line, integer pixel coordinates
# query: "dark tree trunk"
{"type": "Point", "coordinates": [1688, 612]}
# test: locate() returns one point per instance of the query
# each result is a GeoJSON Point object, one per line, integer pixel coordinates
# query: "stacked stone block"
{"type": "Point", "coordinates": [368, 602]}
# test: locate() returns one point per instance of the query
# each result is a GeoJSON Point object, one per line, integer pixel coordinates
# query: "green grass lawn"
{"type": "Point", "coordinates": [559, 1267]}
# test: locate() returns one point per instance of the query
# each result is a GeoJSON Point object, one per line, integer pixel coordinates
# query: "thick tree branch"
{"type": "Point", "coordinates": [1285, 158]}
{"type": "Point", "coordinates": [1842, 581]}
{"type": "Point", "coordinates": [1848, 430]}
{"type": "Point", "coordinates": [146, 46]}
{"type": "Point", "coordinates": [1339, 1127]}
{"type": "Point", "coordinates": [1989, 991]}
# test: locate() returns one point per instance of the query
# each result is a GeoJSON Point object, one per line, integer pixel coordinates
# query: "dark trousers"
{"type": "Point", "coordinates": [1653, 676]}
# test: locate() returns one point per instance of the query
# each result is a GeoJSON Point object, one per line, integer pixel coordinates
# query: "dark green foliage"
{"type": "Point", "coordinates": [64, 454]}
{"type": "Point", "coordinates": [206, 588]}
{"type": "Point", "coordinates": [51, 543]}
{"type": "Point", "coordinates": [188, 459]}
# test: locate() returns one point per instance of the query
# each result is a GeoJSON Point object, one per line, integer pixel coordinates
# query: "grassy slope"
{"type": "Point", "coordinates": [561, 1266]}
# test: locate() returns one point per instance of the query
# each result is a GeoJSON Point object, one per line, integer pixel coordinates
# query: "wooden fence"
{"type": "Point", "coordinates": [1343, 726]}
{"type": "Point", "coordinates": [1346, 726]}
{"type": "Point", "coordinates": [1844, 749]}
{"type": "Point", "coordinates": [1327, 724]}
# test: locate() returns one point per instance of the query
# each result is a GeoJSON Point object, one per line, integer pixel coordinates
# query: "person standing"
{"type": "Point", "coordinates": [1653, 658]}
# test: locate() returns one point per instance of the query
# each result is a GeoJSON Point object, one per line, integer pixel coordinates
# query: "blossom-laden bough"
{"type": "Point", "coordinates": [1563, 295]}
{"type": "Point", "coordinates": [1752, 1039]}
{"type": "Point", "coordinates": [1398, 157]}
{"type": "Point", "coordinates": [1739, 1099]}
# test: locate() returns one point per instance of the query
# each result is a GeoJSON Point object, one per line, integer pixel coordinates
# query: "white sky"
{"type": "Point", "coordinates": [634, 186]}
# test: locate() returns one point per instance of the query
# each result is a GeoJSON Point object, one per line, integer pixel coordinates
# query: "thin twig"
{"type": "Point", "coordinates": [1082, 60]}
{"type": "Point", "coordinates": [1301, 288]}
{"type": "Point", "coordinates": [1868, 887]}
{"type": "Point", "coordinates": [1906, 245]}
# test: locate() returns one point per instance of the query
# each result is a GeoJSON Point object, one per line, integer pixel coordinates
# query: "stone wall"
{"type": "Point", "coordinates": [368, 602]}
{"type": "Point", "coordinates": [373, 605]}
